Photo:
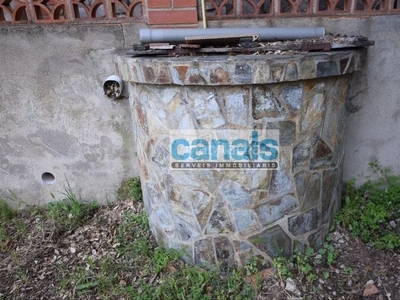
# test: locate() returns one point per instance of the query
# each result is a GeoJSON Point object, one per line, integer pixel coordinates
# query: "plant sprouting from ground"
{"type": "Point", "coordinates": [302, 264]}
{"type": "Point", "coordinates": [133, 235]}
{"type": "Point", "coordinates": [371, 210]}
{"type": "Point", "coordinates": [70, 212]}
{"type": "Point", "coordinates": [254, 265]}
{"type": "Point", "coordinates": [6, 214]}
{"type": "Point", "coordinates": [131, 189]}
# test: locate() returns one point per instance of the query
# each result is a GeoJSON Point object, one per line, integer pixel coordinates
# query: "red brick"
{"type": "Point", "coordinates": [158, 3]}
{"type": "Point", "coordinates": [184, 3]}
{"type": "Point", "coordinates": [160, 17]}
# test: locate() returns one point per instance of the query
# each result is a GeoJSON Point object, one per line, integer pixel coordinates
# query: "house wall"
{"type": "Point", "coordinates": [55, 117]}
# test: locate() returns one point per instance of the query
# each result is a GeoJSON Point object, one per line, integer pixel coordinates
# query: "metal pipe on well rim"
{"type": "Point", "coordinates": [266, 34]}
{"type": "Point", "coordinates": [203, 12]}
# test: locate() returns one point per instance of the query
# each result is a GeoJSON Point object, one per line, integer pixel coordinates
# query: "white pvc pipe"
{"type": "Point", "coordinates": [266, 34]}
{"type": "Point", "coordinates": [113, 86]}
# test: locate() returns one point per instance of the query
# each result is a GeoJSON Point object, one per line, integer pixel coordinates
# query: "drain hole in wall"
{"type": "Point", "coordinates": [48, 178]}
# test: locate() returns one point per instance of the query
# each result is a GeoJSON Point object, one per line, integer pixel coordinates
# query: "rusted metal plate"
{"type": "Point", "coordinates": [317, 46]}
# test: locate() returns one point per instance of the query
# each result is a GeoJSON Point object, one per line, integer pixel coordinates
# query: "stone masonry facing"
{"type": "Point", "coordinates": [224, 217]}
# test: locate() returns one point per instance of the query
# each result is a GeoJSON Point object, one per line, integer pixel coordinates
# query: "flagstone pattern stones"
{"type": "Point", "coordinates": [223, 217]}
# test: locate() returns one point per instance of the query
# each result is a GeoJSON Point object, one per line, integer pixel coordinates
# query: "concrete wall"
{"type": "Point", "coordinates": [55, 117]}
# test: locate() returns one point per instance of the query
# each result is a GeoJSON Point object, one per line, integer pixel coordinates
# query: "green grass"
{"type": "Point", "coordinates": [197, 283]}
{"type": "Point", "coordinates": [368, 209]}
{"type": "Point", "coordinates": [138, 251]}
{"type": "Point", "coordinates": [130, 189]}
{"type": "Point", "coordinates": [135, 268]}
{"type": "Point", "coordinates": [70, 212]}
{"type": "Point", "coordinates": [6, 214]}
{"type": "Point", "coordinates": [134, 236]}
{"type": "Point", "coordinates": [139, 269]}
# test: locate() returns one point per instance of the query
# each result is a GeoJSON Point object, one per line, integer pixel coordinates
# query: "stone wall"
{"type": "Point", "coordinates": [225, 216]}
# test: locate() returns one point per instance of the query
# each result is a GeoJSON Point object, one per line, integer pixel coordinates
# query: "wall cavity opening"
{"type": "Point", "coordinates": [48, 178]}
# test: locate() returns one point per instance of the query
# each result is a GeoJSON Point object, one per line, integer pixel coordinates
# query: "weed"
{"type": "Point", "coordinates": [162, 257]}
{"type": "Point", "coordinates": [284, 267]}
{"type": "Point", "coordinates": [349, 270]}
{"type": "Point", "coordinates": [137, 247]}
{"type": "Point", "coordinates": [99, 277]}
{"type": "Point", "coordinates": [326, 274]}
{"type": "Point", "coordinates": [150, 272]}
{"type": "Point", "coordinates": [6, 212]}
{"type": "Point", "coordinates": [188, 283]}
{"type": "Point", "coordinates": [254, 265]}
{"type": "Point", "coordinates": [70, 212]}
{"type": "Point", "coordinates": [327, 252]}
{"type": "Point", "coordinates": [21, 229]}
{"type": "Point", "coordinates": [133, 235]}
{"type": "Point", "coordinates": [22, 275]}
{"type": "Point", "coordinates": [299, 264]}
{"type": "Point", "coordinates": [63, 270]}
{"type": "Point", "coordinates": [3, 237]}
{"type": "Point", "coordinates": [197, 283]}
{"type": "Point", "coordinates": [303, 264]}
{"type": "Point", "coordinates": [368, 209]}
{"type": "Point", "coordinates": [130, 189]}
{"type": "Point", "coordinates": [302, 261]}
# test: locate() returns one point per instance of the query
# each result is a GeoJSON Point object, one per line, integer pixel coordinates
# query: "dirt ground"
{"type": "Point", "coordinates": [36, 258]}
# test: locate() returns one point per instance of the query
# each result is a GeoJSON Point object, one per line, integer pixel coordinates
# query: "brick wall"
{"type": "Point", "coordinates": [172, 12]}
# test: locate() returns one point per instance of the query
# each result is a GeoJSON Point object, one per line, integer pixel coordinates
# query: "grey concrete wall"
{"type": "Point", "coordinates": [54, 117]}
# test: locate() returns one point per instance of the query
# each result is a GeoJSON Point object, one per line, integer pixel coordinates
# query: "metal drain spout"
{"type": "Point", "coordinates": [266, 34]}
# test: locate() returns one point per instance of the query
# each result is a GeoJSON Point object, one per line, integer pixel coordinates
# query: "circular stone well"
{"type": "Point", "coordinates": [227, 216]}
